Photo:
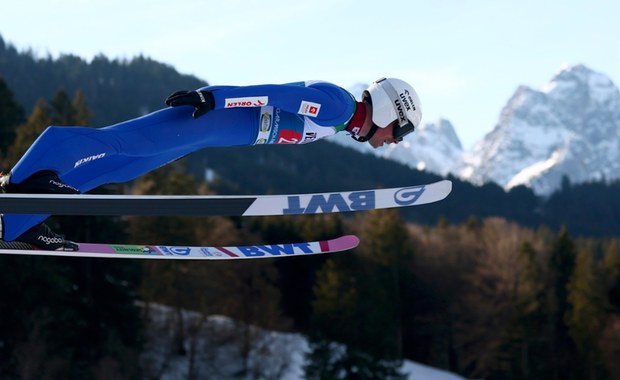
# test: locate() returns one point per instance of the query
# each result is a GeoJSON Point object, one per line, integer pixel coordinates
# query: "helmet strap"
{"type": "Point", "coordinates": [368, 136]}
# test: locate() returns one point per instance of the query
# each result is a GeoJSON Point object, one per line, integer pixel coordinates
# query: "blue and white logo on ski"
{"type": "Point", "coordinates": [408, 195]}
{"type": "Point", "coordinates": [321, 203]}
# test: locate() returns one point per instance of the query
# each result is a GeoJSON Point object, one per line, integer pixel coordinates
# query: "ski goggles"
{"type": "Point", "coordinates": [402, 130]}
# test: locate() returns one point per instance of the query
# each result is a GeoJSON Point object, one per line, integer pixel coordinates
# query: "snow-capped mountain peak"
{"type": "Point", "coordinates": [571, 81]}
{"type": "Point", "coordinates": [569, 127]}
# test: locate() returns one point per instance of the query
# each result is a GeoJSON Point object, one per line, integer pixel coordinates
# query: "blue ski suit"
{"type": "Point", "coordinates": [85, 158]}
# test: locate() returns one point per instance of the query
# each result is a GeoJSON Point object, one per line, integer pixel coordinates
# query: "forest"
{"type": "Point", "coordinates": [486, 284]}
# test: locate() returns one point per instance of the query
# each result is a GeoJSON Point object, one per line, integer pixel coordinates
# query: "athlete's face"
{"type": "Point", "coordinates": [383, 136]}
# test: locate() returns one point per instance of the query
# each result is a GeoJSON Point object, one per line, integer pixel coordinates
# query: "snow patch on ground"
{"type": "Point", "coordinates": [218, 347]}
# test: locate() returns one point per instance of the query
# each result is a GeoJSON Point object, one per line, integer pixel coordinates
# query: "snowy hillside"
{"type": "Point", "coordinates": [213, 347]}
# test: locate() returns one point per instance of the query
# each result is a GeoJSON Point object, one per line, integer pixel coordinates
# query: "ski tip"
{"type": "Point", "coordinates": [441, 189]}
{"type": "Point", "coordinates": [446, 184]}
{"type": "Point", "coordinates": [344, 243]}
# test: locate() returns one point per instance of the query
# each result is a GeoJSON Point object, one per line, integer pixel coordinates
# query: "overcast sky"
{"type": "Point", "coordinates": [465, 58]}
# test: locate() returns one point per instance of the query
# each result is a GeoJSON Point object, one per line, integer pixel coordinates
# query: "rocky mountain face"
{"type": "Point", "coordinates": [568, 128]}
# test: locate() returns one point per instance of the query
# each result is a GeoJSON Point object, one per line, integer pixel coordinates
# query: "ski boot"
{"type": "Point", "coordinates": [43, 182]}
{"type": "Point", "coordinates": [40, 236]}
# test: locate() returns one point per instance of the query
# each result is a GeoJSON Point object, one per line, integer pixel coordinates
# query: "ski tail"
{"type": "Point", "coordinates": [16, 245]}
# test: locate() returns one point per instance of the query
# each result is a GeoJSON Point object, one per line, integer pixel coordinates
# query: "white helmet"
{"type": "Point", "coordinates": [394, 99]}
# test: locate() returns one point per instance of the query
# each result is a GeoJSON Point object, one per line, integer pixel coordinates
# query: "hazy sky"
{"type": "Point", "coordinates": [465, 58]}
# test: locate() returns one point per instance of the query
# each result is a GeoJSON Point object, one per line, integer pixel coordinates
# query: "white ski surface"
{"type": "Point", "coordinates": [224, 205]}
{"type": "Point", "coordinates": [127, 251]}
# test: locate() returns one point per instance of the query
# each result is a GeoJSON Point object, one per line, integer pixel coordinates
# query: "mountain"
{"type": "Point", "coordinates": [434, 147]}
{"type": "Point", "coordinates": [568, 128]}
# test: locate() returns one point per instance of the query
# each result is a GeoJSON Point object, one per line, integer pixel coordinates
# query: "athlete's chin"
{"type": "Point", "coordinates": [377, 144]}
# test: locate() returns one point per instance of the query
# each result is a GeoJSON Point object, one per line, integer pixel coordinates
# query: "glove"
{"type": "Point", "coordinates": [201, 100]}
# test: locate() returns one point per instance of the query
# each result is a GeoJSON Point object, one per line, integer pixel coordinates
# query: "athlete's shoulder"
{"type": "Point", "coordinates": [330, 88]}
{"type": "Point", "coordinates": [314, 83]}
{"type": "Point", "coordinates": [321, 83]}
{"type": "Point", "coordinates": [217, 87]}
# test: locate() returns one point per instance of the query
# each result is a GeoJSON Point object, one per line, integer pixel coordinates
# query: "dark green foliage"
{"type": "Point", "coordinates": [67, 315]}
{"type": "Point", "coordinates": [116, 89]}
{"type": "Point", "coordinates": [68, 318]}
{"type": "Point", "coordinates": [11, 114]}
{"type": "Point", "coordinates": [358, 305]}
{"type": "Point", "coordinates": [589, 209]}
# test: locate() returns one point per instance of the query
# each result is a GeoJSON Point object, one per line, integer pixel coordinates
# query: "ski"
{"type": "Point", "coordinates": [342, 243]}
{"type": "Point", "coordinates": [223, 205]}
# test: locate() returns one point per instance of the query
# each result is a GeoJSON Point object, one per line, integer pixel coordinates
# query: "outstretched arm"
{"type": "Point", "coordinates": [326, 103]}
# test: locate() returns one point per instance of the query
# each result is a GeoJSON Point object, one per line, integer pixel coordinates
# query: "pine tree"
{"type": "Point", "coordinates": [62, 111]}
{"type": "Point", "coordinates": [494, 295]}
{"type": "Point", "coordinates": [11, 115]}
{"type": "Point", "coordinates": [356, 327]}
{"type": "Point", "coordinates": [610, 266]}
{"type": "Point", "coordinates": [586, 317]}
{"type": "Point", "coordinates": [27, 133]}
{"type": "Point", "coordinates": [64, 114]}
{"type": "Point", "coordinates": [82, 112]}
{"type": "Point", "coordinates": [610, 277]}
{"type": "Point", "coordinates": [561, 267]}
{"type": "Point", "coordinates": [529, 316]}
{"type": "Point", "coordinates": [386, 243]}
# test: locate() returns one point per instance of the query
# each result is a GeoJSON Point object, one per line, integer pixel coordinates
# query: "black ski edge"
{"type": "Point", "coordinates": [141, 207]}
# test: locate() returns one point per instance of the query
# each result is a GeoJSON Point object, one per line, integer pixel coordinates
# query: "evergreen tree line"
{"type": "Point", "coordinates": [116, 89]}
{"type": "Point", "coordinates": [485, 298]}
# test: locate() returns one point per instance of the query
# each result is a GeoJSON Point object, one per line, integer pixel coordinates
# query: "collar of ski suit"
{"type": "Point", "coordinates": [357, 121]}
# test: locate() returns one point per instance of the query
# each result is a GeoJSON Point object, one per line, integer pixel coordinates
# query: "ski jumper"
{"type": "Point", "coordinates": [86, 158]}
